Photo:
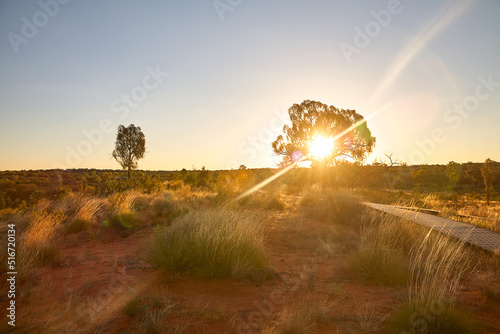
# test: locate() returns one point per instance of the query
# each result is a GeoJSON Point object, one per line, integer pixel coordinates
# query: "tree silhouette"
{"type": "Point", "coordinates": [311, 119]}
{"type": "Point", "coordinates": [487, 172]}
{"type": "Point", "coordinates": [473, 171]}
{"type": "Point", "coordinates": [130, 146]}
{"type": "Point", "coordinates": [454, 172]}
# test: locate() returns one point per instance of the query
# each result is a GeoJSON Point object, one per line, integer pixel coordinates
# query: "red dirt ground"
{"type": "Point", "coordinates": [86, 291]}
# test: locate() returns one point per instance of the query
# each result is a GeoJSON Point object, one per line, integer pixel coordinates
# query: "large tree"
{"type": "Point", "coordinates": [312, 120]}
{"type": "Point", "coordinates": [130, 146]}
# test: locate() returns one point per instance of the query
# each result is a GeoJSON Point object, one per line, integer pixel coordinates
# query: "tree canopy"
{"type": "Point", "coordinates": [130, 146]}
{"type": "Point", "coordinates": [312, 120]}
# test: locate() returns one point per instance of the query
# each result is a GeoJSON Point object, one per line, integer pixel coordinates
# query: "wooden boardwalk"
{"type": "Point", "coordinates": [475, 235]}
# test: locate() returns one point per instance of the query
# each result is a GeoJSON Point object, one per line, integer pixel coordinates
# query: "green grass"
{"type": "Point", "coordinates": [211, 243]}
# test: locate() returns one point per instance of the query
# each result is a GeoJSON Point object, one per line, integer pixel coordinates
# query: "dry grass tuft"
{"type": "Point", "coordinates": [302, 318]}
{"type": "Point", "coordinates": [334, 207]}
{"type": "Point", "coordinates": [436, 267]}
{"type": "Point", "coordinates": [123, 215]}
{"type": "Point", "coordinates": [36, 245]}
{"type": "Point", "coordinates": [379, 256]}
{"type": "Point", "coordinates": [211, 243]}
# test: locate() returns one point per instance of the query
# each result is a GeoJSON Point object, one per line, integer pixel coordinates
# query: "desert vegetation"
{"type": "Point", "coordinates": [180, 257]}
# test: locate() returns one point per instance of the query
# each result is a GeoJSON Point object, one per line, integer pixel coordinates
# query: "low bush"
{"type": "Point", "coordinates": [142, 202]}
{"type": "Point", "coordinates": [162, 207]}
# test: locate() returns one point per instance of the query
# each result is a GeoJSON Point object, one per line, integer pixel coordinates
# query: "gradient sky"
{"type": "Point", "coordinates": [234, 67]}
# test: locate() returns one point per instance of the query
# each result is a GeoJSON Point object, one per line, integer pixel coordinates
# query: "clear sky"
{"type": "Point", "coordinates": [209, 81]}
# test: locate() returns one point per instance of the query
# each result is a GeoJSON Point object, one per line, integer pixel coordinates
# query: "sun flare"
{"type": "Point", "coordinates": [320, 147]}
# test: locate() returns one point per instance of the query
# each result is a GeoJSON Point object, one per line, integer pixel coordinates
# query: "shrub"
{"type": "Point", "coordinates": [142, 202]}
{"type": "Point", "coordinates": [213, 243]}
{"type": "Point", "coordinates": [162, 207]}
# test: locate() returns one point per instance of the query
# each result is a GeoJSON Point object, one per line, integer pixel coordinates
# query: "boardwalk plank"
{"type": "Point", "coordinates": [481, 237]}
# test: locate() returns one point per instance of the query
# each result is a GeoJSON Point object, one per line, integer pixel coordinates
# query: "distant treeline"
{"type": "Point", "coordinates": [23, 188]}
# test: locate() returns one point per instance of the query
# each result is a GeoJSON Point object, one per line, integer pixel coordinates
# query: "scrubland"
{"type": "Point", "coordinates": [189, 260]}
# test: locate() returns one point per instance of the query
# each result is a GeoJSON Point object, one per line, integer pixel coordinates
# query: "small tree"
{"type": "Point", "coordinates": [388, 164]}
{"type": "Point", "coordinates": [130, 146]}
{"type": "Point", "coordinates": [473, 171]}
{"type": "Point", "coordinates": [454, 172]}
{"type": "Point", "coordinates": [487, 172]}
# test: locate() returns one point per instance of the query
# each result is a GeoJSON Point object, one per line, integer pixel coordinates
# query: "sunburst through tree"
{"type": "Point", "coordinates": [323, 134]}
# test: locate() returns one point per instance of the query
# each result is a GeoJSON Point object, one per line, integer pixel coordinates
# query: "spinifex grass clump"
{"type": "Point", "coordinates": [265, 200]}
{"type": "Point", "coordinates": [211, 243]}
{"type": "Point", "coordinates": [163, 207]}
{"type": "Point", "coordinates": [337, 207]}
{"type": "Point", "coordinates": [380, 256]}
{"type": "Point", "coordinates": [123, 215]}
{"type": "Point", "coordinates": [301, 318]}
{"type": "Point", "coordinates": [87, 207]}
{"type": "Point", "coordinates": [436, 267]}
{"type": "Point", "coordinates": [36, 244]}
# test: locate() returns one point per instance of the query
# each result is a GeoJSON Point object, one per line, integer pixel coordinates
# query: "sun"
{"type": "Point", "coordinates": [321, 146]}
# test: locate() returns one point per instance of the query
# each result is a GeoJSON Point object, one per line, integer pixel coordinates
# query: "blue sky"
{"type": "Point", "coordinates": [227, 71]}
